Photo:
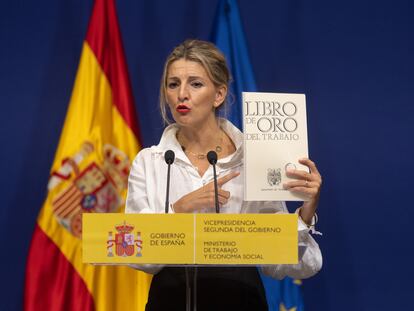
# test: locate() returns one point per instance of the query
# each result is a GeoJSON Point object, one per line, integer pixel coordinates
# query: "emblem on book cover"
{"type": "Point", "coordinates": [124, 242]}
{"type": "Point", "coordinates": [273, 176]}
{"type": "Point", "coordinates": [90, 187]}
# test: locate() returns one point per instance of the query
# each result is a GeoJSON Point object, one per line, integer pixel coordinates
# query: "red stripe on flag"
{"type": "Point", "coordinates": [61, 287]}
{"type": "Point", "coordinates": [104, 38]}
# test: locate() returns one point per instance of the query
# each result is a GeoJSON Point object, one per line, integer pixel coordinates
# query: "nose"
{"type": "Point", "coordinates": [183, 93]}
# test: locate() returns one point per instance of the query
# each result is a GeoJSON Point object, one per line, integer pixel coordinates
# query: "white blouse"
{"type": "Point", "coordinates": [147, 189]}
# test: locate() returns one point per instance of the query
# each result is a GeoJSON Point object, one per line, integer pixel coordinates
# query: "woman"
{"type": "Point", "coordinates": [194, 87]}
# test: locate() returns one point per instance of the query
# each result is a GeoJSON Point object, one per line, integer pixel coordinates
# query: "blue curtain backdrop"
{"type": "Point", "coordinates": [353, 59]}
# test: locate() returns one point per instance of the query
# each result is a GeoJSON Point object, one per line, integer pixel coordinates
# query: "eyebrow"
{"type": "Point", "coordinates": [189, 78]}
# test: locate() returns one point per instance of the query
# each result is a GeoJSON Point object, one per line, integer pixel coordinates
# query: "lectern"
{"type": "Point", "coordinates": [190, 241]}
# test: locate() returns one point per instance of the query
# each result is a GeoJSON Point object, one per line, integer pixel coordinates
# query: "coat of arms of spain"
{"type": "Point", "coordinates": [87, 185]}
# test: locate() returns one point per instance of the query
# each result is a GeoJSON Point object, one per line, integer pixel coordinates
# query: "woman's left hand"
{"type": "Point", "coordinates": [307, 183]}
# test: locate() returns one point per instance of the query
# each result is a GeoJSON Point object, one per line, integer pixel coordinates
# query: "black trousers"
{"type": "Point", "coordinates": [217, 288]}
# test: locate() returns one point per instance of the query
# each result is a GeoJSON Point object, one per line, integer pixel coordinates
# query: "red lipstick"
{"type": "Point", "coordinates": [183, 109]}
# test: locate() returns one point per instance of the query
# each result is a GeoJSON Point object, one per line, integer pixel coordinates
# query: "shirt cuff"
{"type": "Point", "coordinates": [302, 226]}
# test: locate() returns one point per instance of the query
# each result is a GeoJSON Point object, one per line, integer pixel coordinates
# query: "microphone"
{"type": "Point", "coordinates": [212, 159]}
{"type": "Point", "coordinates": [169, 157]}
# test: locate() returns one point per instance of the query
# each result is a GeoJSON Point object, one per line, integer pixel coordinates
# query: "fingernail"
{"type": "Point", "coordinates": [285, 186]}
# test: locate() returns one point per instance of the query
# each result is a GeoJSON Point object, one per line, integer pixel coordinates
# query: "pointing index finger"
{"type": "Point", "coordinates": [222, 180]}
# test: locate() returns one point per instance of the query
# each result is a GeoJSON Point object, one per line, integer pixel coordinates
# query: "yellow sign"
{"type": "Point", "coordinates": [190, 238]}
{"type": "Point", "coordinates": [246, 239]}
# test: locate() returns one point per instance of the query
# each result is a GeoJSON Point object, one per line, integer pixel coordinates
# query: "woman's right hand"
{"type": "Point", "coordinates": [204, 197]}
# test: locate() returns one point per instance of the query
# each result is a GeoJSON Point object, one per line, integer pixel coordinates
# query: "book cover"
{"type": "Point", "coordinates": [275, 138]}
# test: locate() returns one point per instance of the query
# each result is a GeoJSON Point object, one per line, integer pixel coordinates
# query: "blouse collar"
{"type": "Point", "coordinates": [169, 141]}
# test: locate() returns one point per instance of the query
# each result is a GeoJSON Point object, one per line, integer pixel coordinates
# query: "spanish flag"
{"type": "Point", "coordinates": [89, 174]}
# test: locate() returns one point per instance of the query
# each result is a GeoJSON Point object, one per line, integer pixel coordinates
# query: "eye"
{"type": "Point", "coordinates": [196, 84]}
{"type": "Point", "coordinates": [172, 85]}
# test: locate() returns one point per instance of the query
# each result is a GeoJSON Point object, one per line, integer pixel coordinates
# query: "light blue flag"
{"type": "Point", "coordinates": [229, 37]}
